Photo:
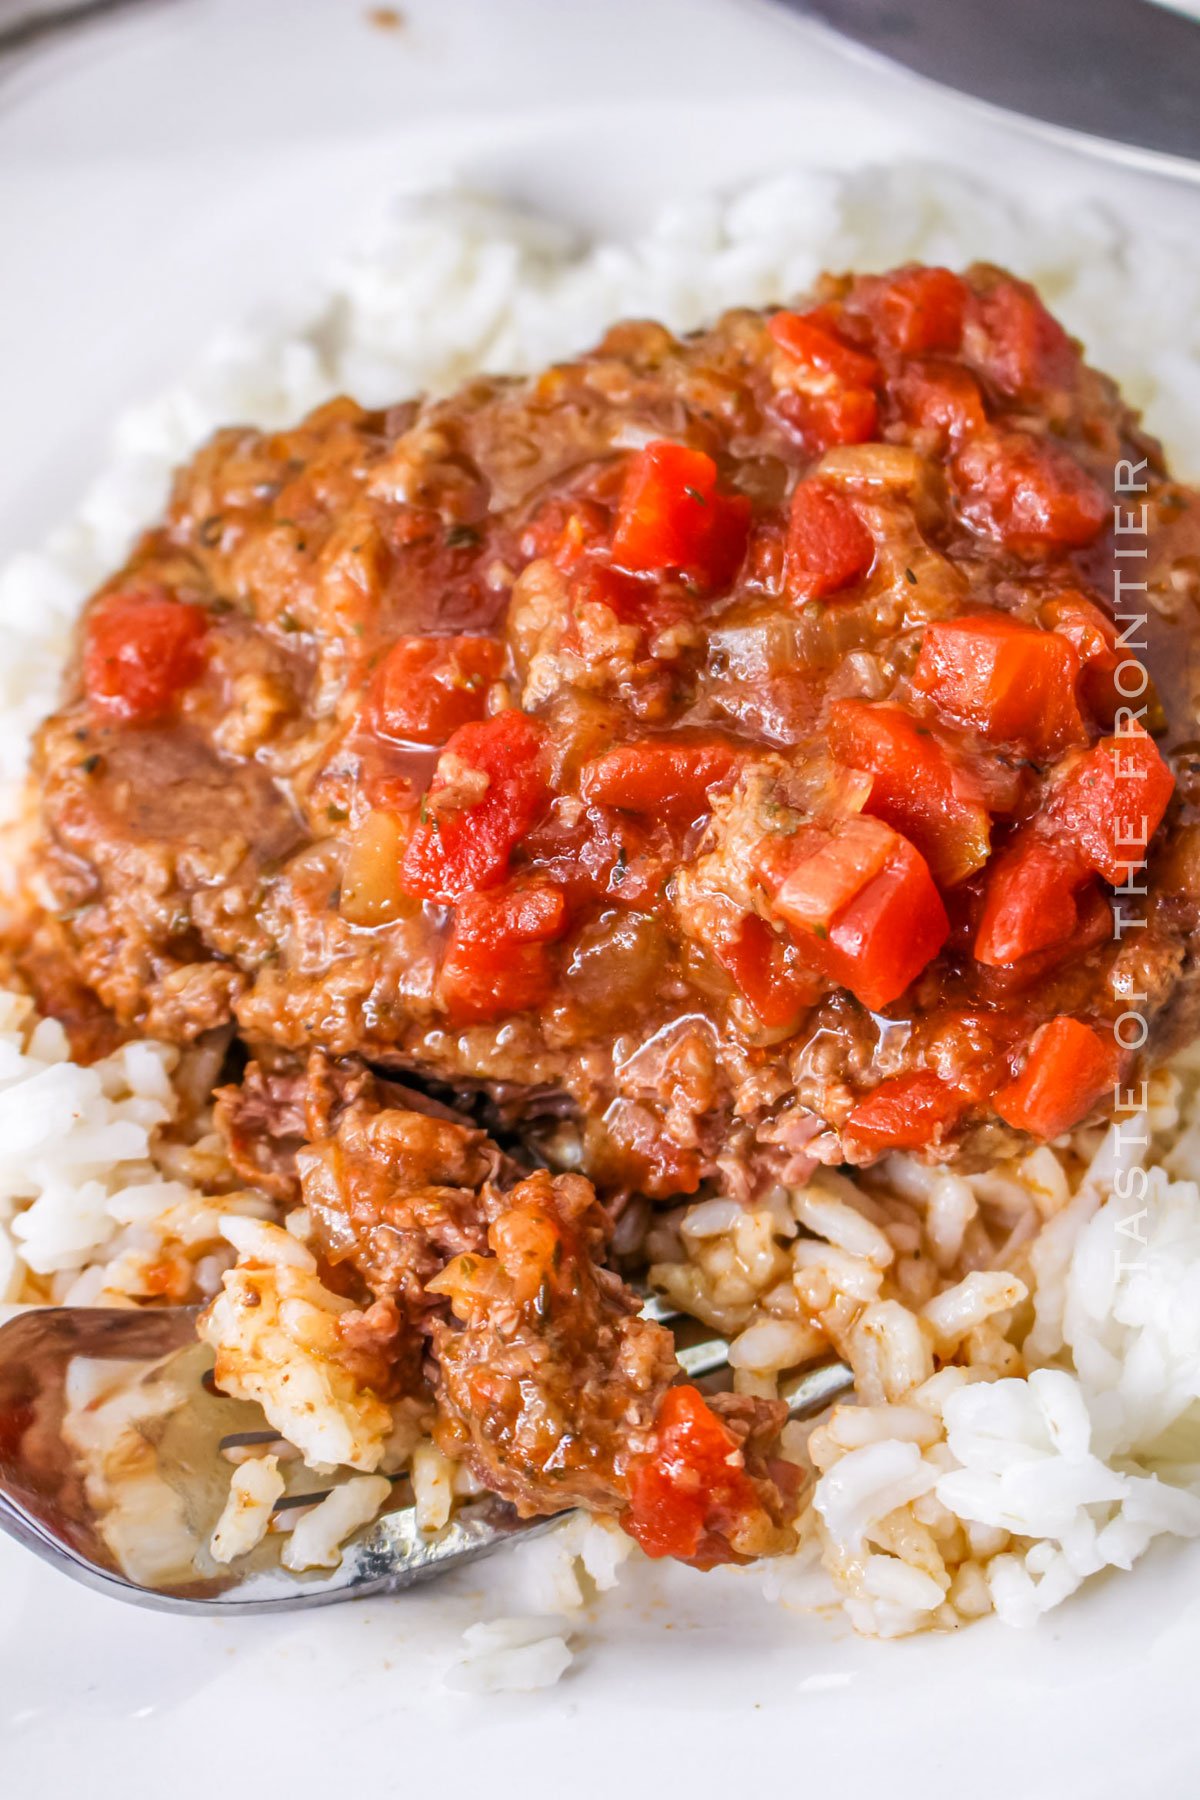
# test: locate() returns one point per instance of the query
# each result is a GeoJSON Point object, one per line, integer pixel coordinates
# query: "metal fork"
{"type": "Point", "coordinates": [44, 1504]}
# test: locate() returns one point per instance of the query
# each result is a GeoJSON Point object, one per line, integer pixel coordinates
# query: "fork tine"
{"type": "Point", "coordinates": [659, 1310]}
{"type": "Point", "coordinates": [810, 1389]}
{"type": "Point", "coordinates": [237, 1440]}
{"type": "Point", "coordinates": [707, 1357]}
{"type": "Point", "coordinates": [289, 1502]}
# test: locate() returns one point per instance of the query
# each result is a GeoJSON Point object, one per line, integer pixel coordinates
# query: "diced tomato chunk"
{"type": "Point", "coordinates": [841, 416]}
{"type": "Point", "coordinates": [883, 940]}
{"type": "Point", "coordinates": [1020, 346]}
{"type": "Point", "coordinates": [830, 391]}
{"type": "Point", "coordinates": [1102, 809]}
{"type": "Point", "coordinates": [692, 1490]}
{"type": "Point", "coordinates": [828, 546]}
{"type": "Point", "coordinates": [917, 309]}
{"type": "Point", "coordinates": [812, 875]}
{"type": "Point", "coordinates": [1029, 902]}
{"type": "Point", "coordinates": [1069, 1068]}
{"type": "Point", "coordinates": [488, 789]}
{"type": "Point", "coordinates": [671, 516]}
{"type": "Point", "coordinates": [563, 529]}
{"type": "Point", "coordinates": [814, 347]}
{"type": "Point", "coordinates": [140, 651]}
{"type": "Point", "coordinates": [915, 785]}
{"type": "Point", "coordinates": [906, 1113]}
{"type": "Point", "coordinates": [1084, 625]}
{"type": "Point", "coordinates": [1029, 493]}
{"type": "Point", "coordinates": [667, 777]}
{"type": "Point", "coordinates": [631, 598]}
{"type": "Point", "coordinates": [941, 397]}
{"type": "Point", "coordinates": [497, 961]}
{"type": "Point", "coordinates": [1013, 682]}
{"type": "Point", "coordinates": [1093, 637]}
{"type": "Point", "coordinates": [1109, 801]}
{"type": "Point", "coordinates": [756, 962]}
{"type": "Point", "coordinates": [425, 688]}
{"type": "Point", "coordinates": [1093, 927]}
{"type": "Point", "coordinates": [830, 398]}
{"type": "Point", "coordinates": [861, 902]}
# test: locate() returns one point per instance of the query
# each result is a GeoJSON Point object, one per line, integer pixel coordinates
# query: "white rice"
{"type": "Point", "coordinates": [317, 1540]}
{"type": "Point", "coordinates": [1044, 1454]}
{"type": "Point", "coordinates": [246, 1517]}
{"type": "Point", "coordinates": [510, 1656]}
{"type": "Point", "coordinates": [85, 1214]}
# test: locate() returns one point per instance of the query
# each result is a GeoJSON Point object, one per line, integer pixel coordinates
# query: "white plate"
{"type": "Point", "coordinates": [179, 167]}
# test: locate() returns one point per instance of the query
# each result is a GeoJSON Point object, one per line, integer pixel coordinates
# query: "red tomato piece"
{"type": "Point", "coordinates": [756, 962]}
{"type": "Point", "coordinates": [906, 1113]}
{"type": "Point", "coordinates": [840, 416]}
{"type": "Point", "coordinates": [425, 688]}
{"type": "Point", "coordinates": [140, 652]}
{"type": "Point", "coordinates": [883, 940]}
{"type": "Point", "coordinates": [830, 397]}
{"type": "Point", "coordinates": [1020, 346]}
{"type": "Point", "coordinates": [493, 787]}
{"type": "Point", "coordinates": [1029, 493]}
{"type": "Point", "coordinates": [667, 777]}
{"type": "Point", "coordinates": [915, 785]}
{"type": "Point", "coordinates": [917, 309]}
{"type": "Point", "coordinates": [812, 875]}
{"type": "Point", "coordinates": [671, 516]}
{"type": "Point", "coordinates": [861, 902]}
{"type": "Point", "coordinates": [1029, 902]}
{"type": "Point", "coordinates": [1093, 927]}
{"type": "Point", "coordinates": [652, 606]}
{"type": "Point", "coordinates": [563, 529]}
{"type": "Point", "coordinates": [632, 598]}
{"type": "Point", "coordinates": [1070, 1066]}
{"type": "Point", "coordinates": [1094, 639]}
{"type": "Point", "coordinates": [815, 349]}
{"type": "Point", "coordinates": [828, 546]}
{"type": "Point", "coordinates": [692, 1489]}
{"type": "Point", "coordinates": [1015, 683]}
{"type": "Point", "coordinates": [1109, 801]}
{"type": "Point", "coordinates": [940, 397]}
{"type": "Point", "coordinates": [497, 959]}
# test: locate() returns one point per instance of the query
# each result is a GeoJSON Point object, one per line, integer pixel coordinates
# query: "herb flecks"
{"type": "Point", "coordinates": [461, 537]}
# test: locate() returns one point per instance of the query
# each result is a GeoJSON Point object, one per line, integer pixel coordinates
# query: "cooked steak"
{"type": "Point", "coordinates": [737, 736]}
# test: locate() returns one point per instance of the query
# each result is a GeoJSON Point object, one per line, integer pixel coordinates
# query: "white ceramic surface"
{"type": "Point", "coordinates": [180, 166]}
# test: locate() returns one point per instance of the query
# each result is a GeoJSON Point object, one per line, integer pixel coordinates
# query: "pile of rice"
{"type": "Point", "coordinates": [1058, 1293]}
